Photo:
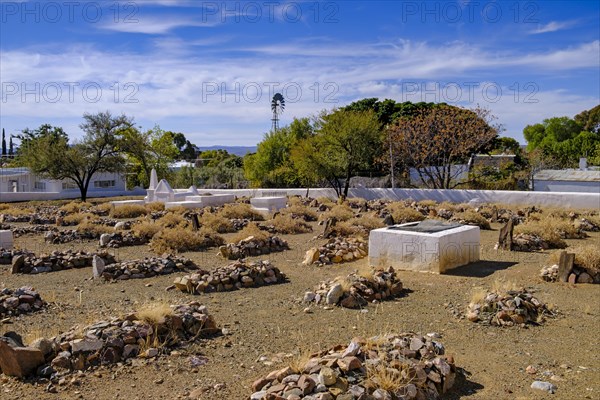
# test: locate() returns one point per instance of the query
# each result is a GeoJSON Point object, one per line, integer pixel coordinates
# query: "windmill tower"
{"type": "Point", "coordinates": [277, 106]}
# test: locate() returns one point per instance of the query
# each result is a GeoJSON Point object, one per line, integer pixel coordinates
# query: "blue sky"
{"type": "Point", "coordinates": [209, 68]}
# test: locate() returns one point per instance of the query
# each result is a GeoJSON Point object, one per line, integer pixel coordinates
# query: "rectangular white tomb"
{"type": "Point", "coordinates": [426, 246]}
{"type": "Point", "coordinates": [268, 204]}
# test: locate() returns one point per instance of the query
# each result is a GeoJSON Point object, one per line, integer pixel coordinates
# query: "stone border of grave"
{"type": "Point", "coordinates": [140, 269]}
{"type": "Point", "coordinates": [29, 263]}
{"type": "Point", "coordinates": [416, 362]}
{"type": "Point", "coordinates": [337, 250]}
{"type": "Point", "coordinates": [237, 275]}
{"type": "Point", "coordinates": [356, 290]}
{"type": "Point", "coordinates": [105, 343]}
{"type": "Point", "coordinates": [251, 246]}
{"type": "Point", "coordinates": [567, 271]}
{"type": "Point", "coordinates": [19, 301]}
{"type": "Point", "coordinates": [512, 308]}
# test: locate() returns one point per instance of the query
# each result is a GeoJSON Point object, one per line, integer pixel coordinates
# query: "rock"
{"type": "Point", "coordinates": [381, 394]}
{"type": "Point", "coordinates": [327, 376]}
{"type": "Point", "coordinates": [85, 345]}
{"type": "Point", "coordinates": [308, 297]}
{"type": "Point", "coordinates": [98, 266]}
{"type": "Point", "coordinates": [584, 277]}
{"type": "Point", "coordinates": [121, 226]}
{"type": "Point", "coordinates": [17, 263]}
{"type": "Point", "coordinates": [43, 345]}
{"type": "Point", "coordinates": [334, 294]}
{"type": "Point", "coordinates": [531, 370]}
{"type": "Point", "coordinates": [105, 239]}
{"type": "Point", "coordinates": [545, 386]}
{"type": "Point", "coordinates": [312, 256]}
{"type": "Point", "coordinates": [19, 361]}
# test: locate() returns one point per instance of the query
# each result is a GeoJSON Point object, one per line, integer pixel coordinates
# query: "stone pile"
{"type": "Point", "coordinates": [19, 301]}
{"type": "Point", "coordinates": [356, 290]}
{"type": "Point", "coordinates": [252, 246]}
{"type": "Point", "coordinates": [515, 307]}
{"type": "Point", "coordinates": [28, 230]}
{"type": "Point", "coordinates": [118, 239]}
{"type": "Point", "coordinates": [231, 277]}
{"type": "Point", "coordinates": [29, 263]}
{"type": "Point", "coordinates": [588, 225]}
{"type": "Point", "coordinates": [6, 256]}
{"type": "Point", "coordinates": [527, 242]}
{"type": "Point", "coordinates": [416, 364]}
{"type": "Point", "coordinates": [106, 342]}
{"type": "Point", "coordinates": [578, 274]}
{"type": "Point", "coordinates": [67, 236]}
{"type": "Point", "coordinates": [337, 250]}
{"type": "Point", "coordinates": [239, 223]}
{"type": "Point", "coordinates": [140, 269]}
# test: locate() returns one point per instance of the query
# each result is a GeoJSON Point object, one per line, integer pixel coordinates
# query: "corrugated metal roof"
{"type": "Point", "coordinates": [568, 175]}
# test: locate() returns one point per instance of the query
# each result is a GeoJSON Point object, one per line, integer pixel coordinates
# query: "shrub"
{"type": "Point", "coordinates": [285, 224]}
{"type": "Point", "coordinates": [88, 227]}
{"type": "Point", "coordinates": [588, 256]}
{"type": "Point", "coordinates": [103, 208]}
{"type": "Point", "coordinates": [549, 229]}
{"type": "Point", "coordinates": [367, 221]}
{"type": "Point", "coordinates": [427, 203]}
{"type": "Point", "coordinates": [17, 212]}
{"type": "Point", "coordinates": [172, 220]}
{"type": "Point", "coordinates": [341, 212]}
{"type": "Point", "coordinates": [75, 207]}
{"type": "Point", "coordinates": [403, 214]}
{"type": "Point", "coordinates": [470, 217]}
{"type": "Point", "coordinates": [326, 201]}
{"type": "Point", "coordinates": [217, 223]}
{"type": "Point", "coordinates": [250, 230]}
{"type": "Point", "coordinates": [179, 240]}
{"type": "Point", "coordinates": [154, 314]}
{"type": "Point", "coordinates": [240, 211]}
{"type": "Point", "coordinates": [155, 206]}
{"type": "Point", "coordinates": [146, 229]}
{"type": "Point", "coordinates": [4, 206]}
{"type": "Point", "coordinates": [75, 219]}
{"type": "Point", "coordinates": [356, 202]}
{"type": "Point", "coordinates": [128, 211]}
{"type": "Point", "coordinates": [298, 210]}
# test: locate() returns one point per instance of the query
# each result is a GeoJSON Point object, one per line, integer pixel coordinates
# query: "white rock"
{"type": "Point", "coordinates": [334, 294]}
{"type": "Point", "coordinates": [97, 266]}
{"type": "Point", "coordinates": [545, 386]}
{"type": "Point", "coordinates": [104, 239]}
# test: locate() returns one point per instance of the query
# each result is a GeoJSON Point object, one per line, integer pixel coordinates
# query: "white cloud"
{"type": "Point", "coordinates": [553, 26]}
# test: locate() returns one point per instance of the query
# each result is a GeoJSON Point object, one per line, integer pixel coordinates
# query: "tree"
{"type": "Point", "coordinates": [566, 140]}
{"type": "Point", "coordinates": [344, 143]}
{"type": "Point", "coordinates": [436, 139]}
{"type": "Point", "coordinates": [50, 155]}
{"type": "Point", "coordinates": [3, 143]}
{"type": "Point", "coordinates": [10, 147]}
{"type": "Point", "coordinates": [271, 165]}
{"type": "Point", "coordinates": [187, 151]}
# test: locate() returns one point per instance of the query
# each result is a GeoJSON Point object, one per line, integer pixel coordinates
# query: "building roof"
{"type": "Point", "coordinates": [576, 175]}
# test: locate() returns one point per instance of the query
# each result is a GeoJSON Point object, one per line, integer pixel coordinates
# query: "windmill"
{"type": "Point", "coordinates": [277, 106]}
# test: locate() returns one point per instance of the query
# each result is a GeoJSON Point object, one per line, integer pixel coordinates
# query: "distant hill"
{"type": "Point", "coordinates": [237, 150]}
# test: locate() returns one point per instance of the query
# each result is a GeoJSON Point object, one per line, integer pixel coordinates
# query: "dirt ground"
{"type": "Point", "coordinates": [265, 326]}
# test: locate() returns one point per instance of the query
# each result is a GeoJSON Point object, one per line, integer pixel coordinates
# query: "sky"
{"type": "Point", "coordinates": [209, 69]}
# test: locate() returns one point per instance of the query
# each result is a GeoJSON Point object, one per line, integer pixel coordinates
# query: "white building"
{"type": "Point", "coordinates": [19, 184]}
{"type": "Point", "coordinates": [567, 180]}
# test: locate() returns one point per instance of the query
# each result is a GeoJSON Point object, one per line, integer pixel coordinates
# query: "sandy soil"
{"type": "Point", "coordinates": [269, 322]}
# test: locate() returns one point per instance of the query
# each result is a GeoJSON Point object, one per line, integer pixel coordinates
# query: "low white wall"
{"type": "Point", "coordinates": [11, 197]}
{"type": "Point", "coordinates": [556, 199]}
{"type": "Point", "coordinates": [567, 186]}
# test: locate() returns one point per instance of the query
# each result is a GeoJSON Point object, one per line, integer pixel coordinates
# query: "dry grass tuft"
{"type": "Point", "coordinates": [250, 230]}
{"type": "Point", "coordinates": [16, 211]}
{"type": "Point", "coordinates": [4, 206]}
{"type": "Point", "coordinates": [128, 211]}
{"type": "Point", "coordinates": [154, 313]}
{"type": "Point", "coordinates": [427, 203]}
{"type": "Point", "coordinates": [356, 202]}
{"type": "Point", "coordinates": [75, 207]}
{"type": "Point", "coordinates": [146, 229]}
{"type": "Point", "coordinates": [87, 226]}
{"type": "Point", "coordinates": [403, 214]}
{"type": "Point", "coordinates": [103, 208]}
{"type": "Point", "coordinates": [326, 201]}
{"type": "Point", "coordinates": [217, 223]}
{"type": "Point", "coordinates": [341, 212]}
{"type": "Point", "coordinates": [285, 224]}
{"type": "Point", "coordinates": [75, 219]}
{"type": "Point", "coordinates": [478, 295]}
{"type": "Point", "coordinates": [588, 256]}
{"type": "Point", "coordinates": [172, 220]}
{"type": "Point", "coordinates": [173, 240]}
{"type": "Point", "coordinates": [386, 376]}
{"type": "Point", "coordinates": [470, 217]}
{"type": "Point", "coordinates": [552, 230]}
{"type": "Point", "coordinates": [502, 286]}
{"type": "Point", "coordinates": [367, 221]}
{"type": "Point", "coordinates": [298, 210]}
{"type": "Point", "coordinates": [155, 206]}
{"type": "Point", "coordinates": [240, 211]}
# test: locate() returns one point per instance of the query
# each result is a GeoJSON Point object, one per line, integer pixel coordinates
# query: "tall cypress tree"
{"type": "Point", "coordinates": [10, 147]}
{"type": "Point", "coordinates": [3, 143]}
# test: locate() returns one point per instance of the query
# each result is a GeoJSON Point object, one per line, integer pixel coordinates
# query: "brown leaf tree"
{"type": "Point", "coordinates": [435, 140]}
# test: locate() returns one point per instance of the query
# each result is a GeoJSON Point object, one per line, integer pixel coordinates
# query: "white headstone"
{"type": "Point", "coordinates": [6, 240]}
{"type": "Point", "coordinates": [153, 179]}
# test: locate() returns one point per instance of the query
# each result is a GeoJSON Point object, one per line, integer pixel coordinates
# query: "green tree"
{"type": "Point", "coordinates": [187, 151]}
{"type": "Point", "coordinates": [271, 165]}
{"type": "Point", "coordinates": [344, 143]}
{"type": "Point", "coordinates": [50, 155]}
{"type": "Point", "coordinates": [589, 120]}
